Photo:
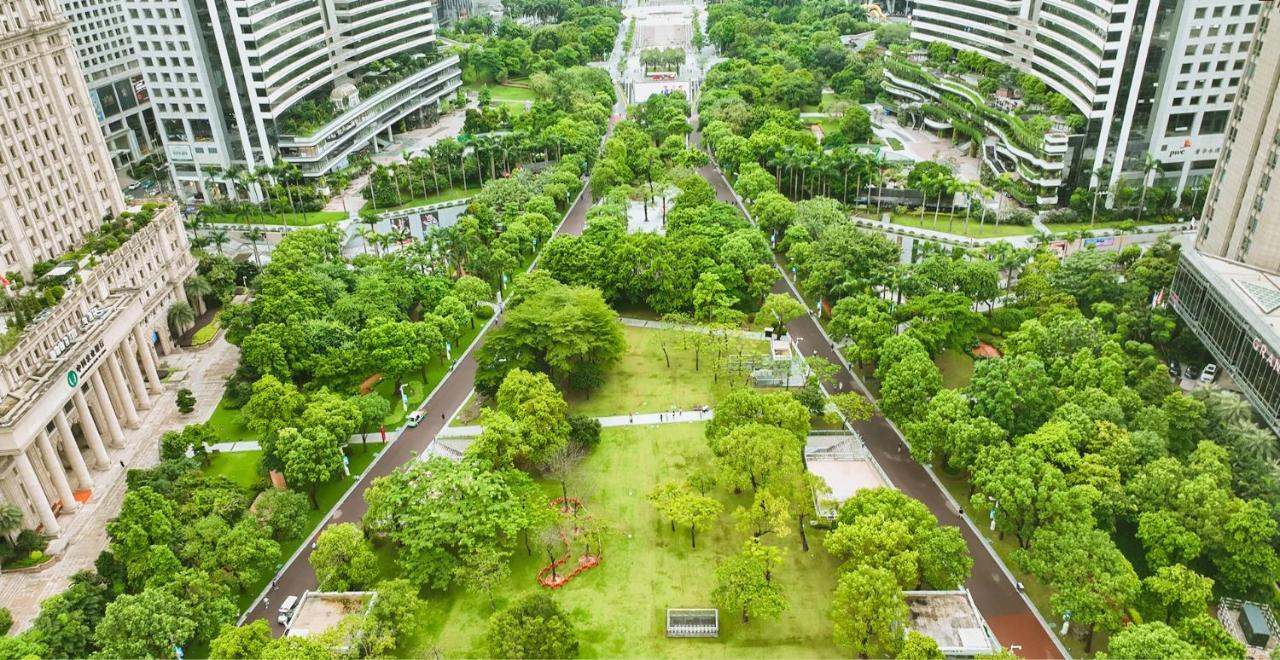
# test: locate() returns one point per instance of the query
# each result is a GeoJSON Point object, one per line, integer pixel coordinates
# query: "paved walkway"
{"type": "Point", "coordinates": [252, 445]}
{"type": "Point", "coordinates": [666, 325]}
{"type": "Point", "coordinates": [638, 419]}
{"type": "Point", "coordinates": [84, 537]}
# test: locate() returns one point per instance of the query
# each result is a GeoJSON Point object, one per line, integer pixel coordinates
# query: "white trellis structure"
{"type": "Point", "coordinates": [693, 622]}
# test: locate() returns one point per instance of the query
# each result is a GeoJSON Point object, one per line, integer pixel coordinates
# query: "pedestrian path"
{"type": "Point", "coordinates": [666, 325]}
{"type": "Point", "coordinates": [637, 419]}
{"type": "Point", "coordinates": [252, 445]}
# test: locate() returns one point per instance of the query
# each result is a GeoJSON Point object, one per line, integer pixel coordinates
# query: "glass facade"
{"type": "Point", "coordinates": [1249, 353]}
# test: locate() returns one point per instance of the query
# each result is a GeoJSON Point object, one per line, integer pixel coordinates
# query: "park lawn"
{"type": "Point", "coordinates": [895, 144]}
{"type": "Point", "coordinates": [976, 230]}
{"type": "Point", "coordinates": [291, 219]}
{"type": "Point", "coordinates": [1036, 590]}
{"type": "Point", "coordinates": [510, 93]}
{"type": "Point", "coordinates": [642, 382]}
{"type": "Point", "coordinates": [828, 98]}
{"type": "Point", "coordinates": [228, 424]}
{"type": "Point", "coordinates": [956, 367]}
{"type": "Point", "coordinates": [242, 468]}
{"type": "Point", "coordinates": [208, 332]}
{"type": "Point", "coordinates": [446, 195]}
{"type": "Point", "coordinates": [830, 125]}
{"type": "Point", "coordinates": [619, 606]}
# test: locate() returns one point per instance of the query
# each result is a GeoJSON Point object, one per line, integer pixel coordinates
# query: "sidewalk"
{"type": "Point", "coordinates": [252, 445]}
{"type": "Point", "coordinates": [666, 325]}
{"type": "Point", "coordinates": [84, 534]}
{"type": "Point", "coordinates": [640, 419]}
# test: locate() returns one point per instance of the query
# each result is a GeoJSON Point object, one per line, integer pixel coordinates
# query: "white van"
{"type": "Point", "coordinates": [286, 609]}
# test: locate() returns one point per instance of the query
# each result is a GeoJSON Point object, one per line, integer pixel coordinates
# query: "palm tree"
{"type": "Point", "coordinates": [1251, 440]}
{"type": "Point", "coordinates": [368, 235]}
{"type": "Point", "coordinates": [180, 316]}
{"type": "Point", "coordinates": [253, 236]}
{"type": "Point", "coordinates": [11, 520]}
{"type": "Point", "coordinates": [197, 288]}
{"type": "Point", "coordinates": [219, 238]}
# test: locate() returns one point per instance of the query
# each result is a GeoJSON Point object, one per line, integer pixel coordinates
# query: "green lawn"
{"type": "Point", "coordinates": [642, 382]}
{"type": "Point", "coordinates": [446, 195]}
{"type": "Point", "coordinates": [895, 144]}
{"type": "Point", "coordinates": [228, 423]}
{"type": "Point", "coordinates": [291, 219]}
{"type": "Point", "coordinates": [956, 366]}
{"type": "Point", "coordinates": [242, 468]}
{"type": "Point", "coordinates": [830, 125]}
{"type": "Point", "coordinates": [618, 607]}
{"type": "Point", "coordinates": [828, 98]}
{"type": "Point", "coordinates": [944, 224]}
{"type": "Point", "coordinates": [508, 92]}
{"type": "Point", "coordinates": [208, 332]}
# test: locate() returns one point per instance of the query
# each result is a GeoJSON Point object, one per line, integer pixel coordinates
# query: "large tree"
{"type": "Point", "coordinates": [149, 624]}
{"type": "Point", "coordinates": [437, 511]}
{"type": "Point", "coordinates": [311, 457]}
{"type": "Point", "coordinates": [744, 582]}
{"type": "Point", "coordinates": [343, 559]}
{"type": "Point", "coordinates": [869, 613]}
{"type": "Point", "coordinates": [534, 627]}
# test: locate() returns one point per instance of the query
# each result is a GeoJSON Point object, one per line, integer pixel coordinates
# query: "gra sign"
{"type": "Point", "coordinates": [1272, 359]}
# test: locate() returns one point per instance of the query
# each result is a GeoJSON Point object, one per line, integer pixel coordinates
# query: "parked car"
{"type": "Point", "coordinates": [1174, 368]}
{"type": "Point", "coordinates": [1209, 374]}
{"type": "Point", "coordinates": [415, 418]}
{"type": "Point", "coordinates": [286, 610]}
{"type": "Point", "coordinates": [1190, 373]}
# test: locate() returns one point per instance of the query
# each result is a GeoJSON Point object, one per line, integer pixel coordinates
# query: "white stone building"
{"type": "Point", "coordinates": [80, 372]}
{"type": "Point", "coordinates": [1152, 77]}
{"type": "Point", "coordinates": [252, 84]}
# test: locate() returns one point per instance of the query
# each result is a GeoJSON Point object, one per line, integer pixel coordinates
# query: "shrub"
{"type": "Point", "coordinates": [186, 401]}
{"type": "Point", "coordinates": [1019, 217]}
{"type": "Point", "coordinates": [28, 540]}
{"type": "Point", "coordinates": [484, 312]}
{"type": "Point", "coordinates": [584, 431]}
{"type": "Point", "coordinates": [1060, 216]}
{"type": "Point", "coordinates": [6, 620]}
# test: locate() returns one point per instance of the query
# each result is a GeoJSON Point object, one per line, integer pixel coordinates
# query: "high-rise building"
{"type": "Point", "coordinates": [116, 87]}
{"type": "Point", "coordinates": [1154, 78]}
{"type": "Point", "coordinates": [56, 182]}
{"type": "Point", "coordinates": [1228, 287]}
{"type": "Point", "coordinates": [246, 83]}
{"type": "Point", "coordinates": [90, 282]}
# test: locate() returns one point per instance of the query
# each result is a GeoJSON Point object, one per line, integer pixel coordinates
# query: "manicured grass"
{"type": "Point", "coordinates": [830, 125]}
{"type": "Point", "coordinates": [291, 219]}
{"type": "Point", "coordinates": [895, 144]}
{"type": "Point", "coordinates": [828, 99]}
{"type": "Point", "coordinates": [208, 332]}
{"type": "Point", "coordinates": [242, 468]}
{"type": "Point", "coordinates": [446, 195]}
{"type": "Point", "coordinates": [944, 224]}
{"type": "Point", "coordinates": [510, 93]}
{"type": "Point", "coordinates": [642, 382]}
{"type": "Point", "coordinates": [956, 366]}
{"type": "Point", "coordinates": [618, 607]}
{"type": "Point", "coordinates": [228, 424]}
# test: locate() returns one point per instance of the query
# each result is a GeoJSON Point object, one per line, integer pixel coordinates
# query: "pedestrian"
{"type": "Point", "coordinates": [660, 417]}
{"type": "Point", "coordinates": [123, 465]}
{"type": "Point", "coordinates": [313, 545]}
{"type": "Point", "coordinates": [899, 447]}
{"type": "Point", "coordinates": [275, 584]}
{"type": "Point", "coordinates": [442, 417]}
{"type": "Point", "coordinates": [266, 603]}
{"type": "Point", "coordinates": [631, 418]}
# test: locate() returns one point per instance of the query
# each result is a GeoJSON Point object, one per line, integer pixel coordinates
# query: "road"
{"type": "Point", "coordinates": [1006, 611]}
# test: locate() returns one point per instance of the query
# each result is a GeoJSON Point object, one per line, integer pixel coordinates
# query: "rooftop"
{"type": "Point", "coordinates": [841, 461]}
{"type": "Point", "coordinates": [319, 611]}
{"type": "Point", "coordinates": [951, 619]}
{"type": "Point", "coordinates": [1254, 293]}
